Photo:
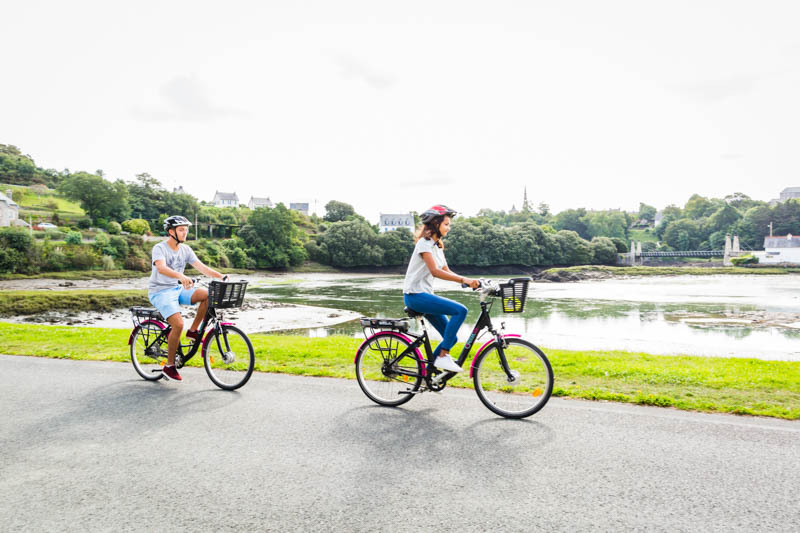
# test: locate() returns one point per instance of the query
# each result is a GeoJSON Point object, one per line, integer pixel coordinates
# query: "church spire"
{"type": "Point", "coordinates": [525, 205]}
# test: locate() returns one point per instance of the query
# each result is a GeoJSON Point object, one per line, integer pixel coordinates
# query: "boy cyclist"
{"type": "Point", "coordinates": [170, 258]}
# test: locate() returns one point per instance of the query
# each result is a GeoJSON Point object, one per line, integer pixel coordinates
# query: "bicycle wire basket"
{"type": "Point", "coordinates": [513, 294]}
{"type": "Point", "coordinates": [226, 294]}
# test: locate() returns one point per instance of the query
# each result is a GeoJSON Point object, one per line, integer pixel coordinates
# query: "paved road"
{"type": "Point", "coordinates": [89, 446]}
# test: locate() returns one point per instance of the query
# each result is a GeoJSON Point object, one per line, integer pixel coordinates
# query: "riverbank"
{"type": "Point", "coordinates": [589, 272]}
{"type": "Point", "coordinates": [709, 384]}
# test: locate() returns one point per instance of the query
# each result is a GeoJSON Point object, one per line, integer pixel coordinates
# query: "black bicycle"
{"type": "Point", "coordinates": [512, 377]}
{"type": "Point", "coordinates": [227, 352]}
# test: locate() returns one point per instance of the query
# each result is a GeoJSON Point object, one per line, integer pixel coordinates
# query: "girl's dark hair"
{"type": "Point", "coordinates": [431, 230]}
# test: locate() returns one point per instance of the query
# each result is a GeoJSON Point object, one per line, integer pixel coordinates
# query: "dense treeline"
{"type": "Point", "coordinates": [280, 238]}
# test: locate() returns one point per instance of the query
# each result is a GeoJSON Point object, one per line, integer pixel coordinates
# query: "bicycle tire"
{"type": "Point", "coordinates": [148, 359]}
{"type": "Point", "coordinates": [519, 399]}
{"type": "Point", "coordinates": [384, 388]}
{"type": "Point", "coordinates": [232, 369]}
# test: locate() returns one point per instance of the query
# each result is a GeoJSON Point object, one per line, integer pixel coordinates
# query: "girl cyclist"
{"type": "Point", "coordinates": [427, 262]}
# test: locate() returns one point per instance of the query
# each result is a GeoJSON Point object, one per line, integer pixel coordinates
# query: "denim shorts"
{"type": "Point", "coordinates": [169, 301]}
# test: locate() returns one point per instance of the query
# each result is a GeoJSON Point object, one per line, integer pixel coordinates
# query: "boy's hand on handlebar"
{"type": "Point", "coordinates": [186, 282]}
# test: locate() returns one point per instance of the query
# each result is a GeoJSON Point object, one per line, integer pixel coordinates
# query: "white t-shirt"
{"type": "Point", "coordinates": [418, 276]}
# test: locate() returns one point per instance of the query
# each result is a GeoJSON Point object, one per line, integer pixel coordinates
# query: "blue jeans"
{"type": "Point", "coordinates": [436, 308]}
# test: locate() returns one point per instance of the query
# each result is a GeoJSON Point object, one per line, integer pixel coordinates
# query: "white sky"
{"type": "Point", "coordinates": [394, 106]}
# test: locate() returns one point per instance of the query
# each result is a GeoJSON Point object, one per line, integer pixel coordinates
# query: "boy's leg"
{"type": "Point", "coordinates": [201, 296]}
{"type": "Point", "coordinates": [174, 339]}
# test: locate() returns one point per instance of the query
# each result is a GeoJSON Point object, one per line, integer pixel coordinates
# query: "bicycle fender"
{"type": "Point", "coordinates": [395, 334]}
{"type": "Point", "coordinates": [137, 328]}
{"type": "Point", "coordinates": [486, 345]}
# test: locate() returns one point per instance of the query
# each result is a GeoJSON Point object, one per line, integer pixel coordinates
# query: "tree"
{"type": "Point", "coordinates": [136, 226]}
{"type": "Point", "coordinates": [98, 197]}
{"type": "Point", "coordinates": [572, 220]}
{"type": "Point", "coordinates": [698, 206]}
{"type": "Point", "coordinates": [336, 211]}
{"type": "Point", "coordinates": [606, 224]}
{"type": "Point", "coordinates": [604, 251]}
{"type": "Point", "coordinates": [351, 243]}
{"type": "Point", "coordinates": [396, 246]}
{"type": "Point", "coordinates": [722, 219]}
{"type": "Point", "coordinates": [682, 234]}
{"type": "Point", "coordinates": [272, 238]}
{"type": "Point", "coordinates": [647, 212]}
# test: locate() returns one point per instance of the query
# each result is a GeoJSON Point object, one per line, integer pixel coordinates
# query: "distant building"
{"type": "Point", "coordinates": [789, 192]}
{"type": "Point", "coordinates": [301, 207]}
{"type": "Point", "coordinates": [178, 190]}
{"type": "Point", "coordinates": [9, 210]}
{"type": "Point", "coordinates": [256, 203]}
{"type": "Point", "coordinates": [225, 199]}
{"type": "Point", "coordinates": [393, 222]}
{"type": "Point", "coordinates": [513, 210]}
{"type": "Point", "coordinates": [780, 249]}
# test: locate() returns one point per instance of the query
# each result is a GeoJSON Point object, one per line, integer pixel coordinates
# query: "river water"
{"type": "Point", "coordinates": [729, 316]}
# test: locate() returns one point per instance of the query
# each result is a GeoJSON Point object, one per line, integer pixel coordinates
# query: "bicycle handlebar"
{"type": "Point", "coordinates": [199, 280]}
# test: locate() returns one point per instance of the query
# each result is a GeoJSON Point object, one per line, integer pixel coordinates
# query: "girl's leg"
{"type": "Point", "coordinates": [434, 306]}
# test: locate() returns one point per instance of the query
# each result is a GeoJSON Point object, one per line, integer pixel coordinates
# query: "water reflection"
{"type": "Point", "coordinates": [746, 316]}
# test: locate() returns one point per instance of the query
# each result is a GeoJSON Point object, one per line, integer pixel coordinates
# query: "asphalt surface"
{"type": "Point", "coordinates": [89, 446]}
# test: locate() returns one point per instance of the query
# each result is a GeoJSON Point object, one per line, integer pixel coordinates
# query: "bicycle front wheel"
{"type": "Point", "coordinates": [229, 357]}
{"type": "Point", "coordinates": [526, 391]}
{"type": "Point", "coordinates": [383, 381]}
{"type": "Point", "coordinates": [149, 350]}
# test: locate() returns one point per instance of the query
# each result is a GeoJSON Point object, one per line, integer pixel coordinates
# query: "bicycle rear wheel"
{"type": "Point", "coordinates": [524, 395]}
{"type": "Point", "coordinates": [148, 355]}
{"type": "Point", "coordinates": [383, 383]}
{"type": "Point", "coordinates": [229, 357]}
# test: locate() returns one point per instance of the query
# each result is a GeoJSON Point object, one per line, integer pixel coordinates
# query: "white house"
{"type": "Point", "coordinates": [255, 203]}
{"type": "Point", "coordinates": [299, 206]}
{"type": "Point", "coordinates": [790, 192]}
{"type": "Point", "coordinates": [392, 222]}
{"type": "Point", "coordinates": [225, 199]}
{"type": "Point", "coordinates": [780, 249]}
{"type": "Point", "coordinates": [9, 210]}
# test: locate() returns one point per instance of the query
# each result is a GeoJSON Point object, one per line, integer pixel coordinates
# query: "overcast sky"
{"type": "Point", "coordinates": [394, 106]}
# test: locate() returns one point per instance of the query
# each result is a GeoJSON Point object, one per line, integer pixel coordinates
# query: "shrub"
{"type": "Point", "coordinates": [137, 263]}
{"type": "Point", "coordinates": [74, 237]}
{"type": "Point", "coordinates": [114, 228]}
{"type": "Point", "coordinates": [137, 226]}
{"type": "Point", "coordinates": [55, 260]}
{"type": "Point", "coordinates": [108, 262]}
{"type": "Point", "coordinates": [238, 258]}
{"type": "Point", "coordinates": [83, 259]}
{"type": "Point", "coordinates": [85, 223]}
{"type": "Point", "coordinates": [744, 260]}
{"type": "Point", "coordinates": [120, 246]}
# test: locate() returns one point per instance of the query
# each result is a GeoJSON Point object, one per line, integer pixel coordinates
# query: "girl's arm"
{"type": "Point", "coordinates": [446, 273]}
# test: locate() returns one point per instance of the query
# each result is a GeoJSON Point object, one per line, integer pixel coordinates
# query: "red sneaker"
{"type": "Point", "coordinates": [193, 334]}
{"type": "Point", "coordinates": [171, 373]}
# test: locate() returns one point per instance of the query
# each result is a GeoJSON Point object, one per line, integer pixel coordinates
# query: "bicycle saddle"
{"type": "Point", "coordinates": [412, 313]}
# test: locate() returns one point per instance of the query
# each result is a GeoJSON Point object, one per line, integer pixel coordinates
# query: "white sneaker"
{"type": "Point", "coordinates": [445, 362]}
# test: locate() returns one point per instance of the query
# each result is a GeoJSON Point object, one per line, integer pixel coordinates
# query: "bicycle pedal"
{"type": "Point", "coordinates": [418, 391]}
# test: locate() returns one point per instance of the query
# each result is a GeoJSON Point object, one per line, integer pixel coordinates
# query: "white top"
{"type": "Point", "coordinates": [418, 276]}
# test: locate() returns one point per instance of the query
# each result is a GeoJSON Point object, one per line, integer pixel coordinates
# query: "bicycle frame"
{"type": "Point", "coordinates": [441, 378]}
{"type": "Point", "coordinates": [180, 357]}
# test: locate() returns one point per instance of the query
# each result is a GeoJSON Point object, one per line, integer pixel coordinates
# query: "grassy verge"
{"type": "Point", "coordinates": [34, 302]}
{"type": "Point", "coordinates": [724, 385]}
{"type": "Point", "coordinates": [673, 271]}
{"type": "Point", "coordinates": [79, 275]}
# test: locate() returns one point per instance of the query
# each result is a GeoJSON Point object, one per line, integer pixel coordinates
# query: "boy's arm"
{"type": "Point", "coordinates": [161, 266]}
{"type": "Point", "coordinates": [208, 271]}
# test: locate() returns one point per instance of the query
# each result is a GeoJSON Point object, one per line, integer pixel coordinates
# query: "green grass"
{"type": "Point", "coordinates": [674, 271]}
{"type": "Point", "coordinates": [32, 201]}
{"type": "Point", "coordinates": [708, 384]}
{"type": "Point", "coordinates": [36, 302]}
{"type": "Point", "coordinates": [312, 267]}
{"type": "Point", "coordinates": [643, 235]}
{"type": "Point", "coordinates": [79, 275]}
